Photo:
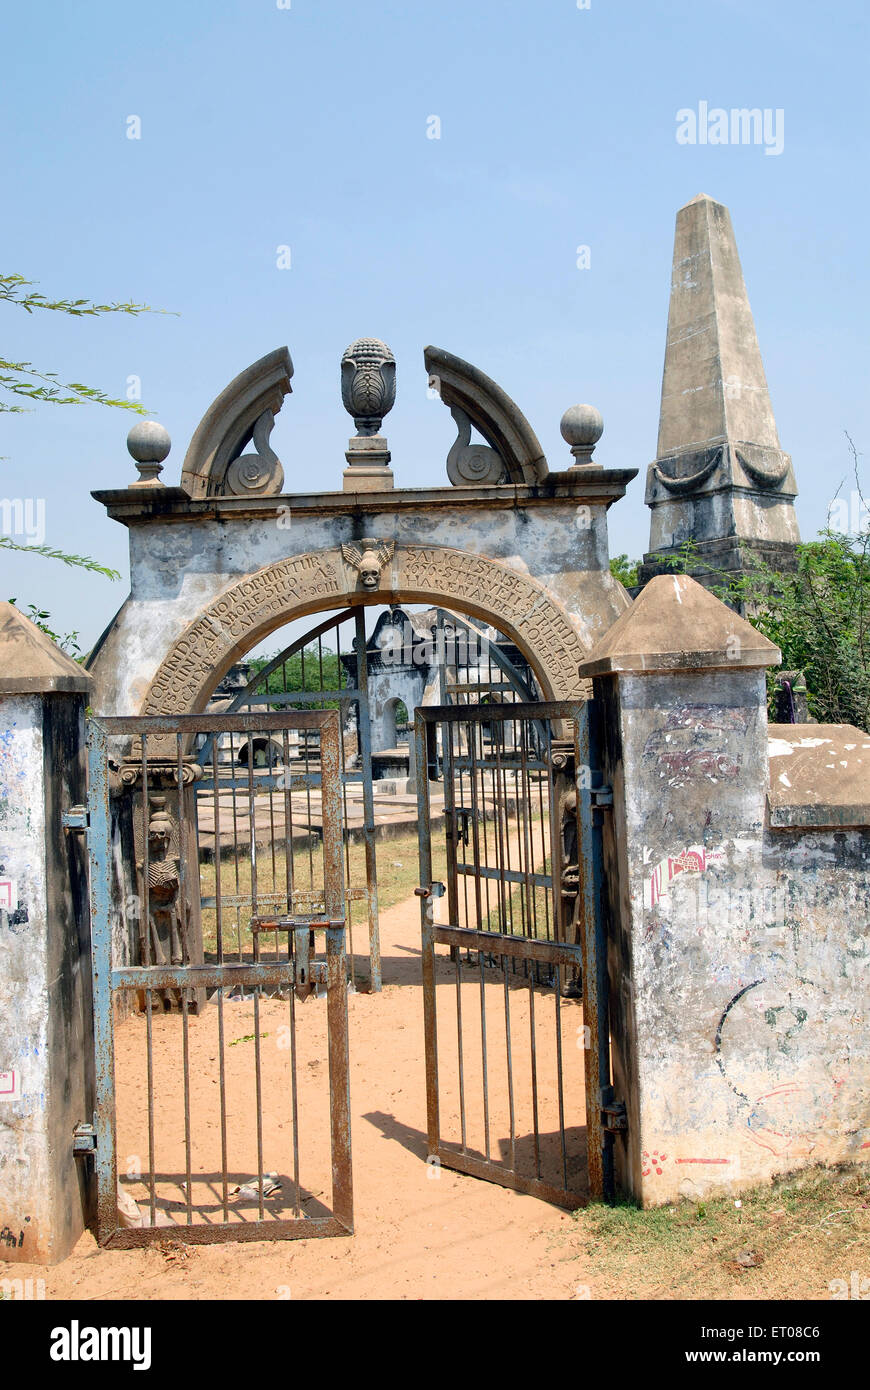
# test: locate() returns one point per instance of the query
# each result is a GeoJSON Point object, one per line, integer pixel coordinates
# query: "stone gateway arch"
{"type": "Point", "coordinates": [249, 610]}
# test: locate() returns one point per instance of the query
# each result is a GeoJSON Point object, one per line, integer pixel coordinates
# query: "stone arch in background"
{"type": "Point", "coordinates": [389, 735]}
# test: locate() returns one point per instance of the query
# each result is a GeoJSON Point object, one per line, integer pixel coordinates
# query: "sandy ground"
{"type": "Point", "coordinates": [420, 1232]}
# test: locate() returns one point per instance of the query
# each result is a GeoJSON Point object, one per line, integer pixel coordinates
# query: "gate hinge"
{"type": "Point", "coordinates": [614, 1118]}
{"type": "Point", "coordinates": [602, 796]}
{"type": "Point", "coordinates": [76, 818]}
{"type": "Point", "coordinates": [84, 1140]}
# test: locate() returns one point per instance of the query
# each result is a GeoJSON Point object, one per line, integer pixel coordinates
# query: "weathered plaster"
{"type": "Point", "coordinates": [24, 1155]}
{"type": "Point", "coordinates": [819, 776]}
{"type": "Point", "coordinates": [739, 953]}
{"type": "Point", "coordinates": [45, 1037]}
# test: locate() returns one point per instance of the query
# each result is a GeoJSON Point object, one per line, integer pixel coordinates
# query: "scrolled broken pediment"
{"type": "Point", "coordinates": [512, 452]}
{"type": "Point", "coordinates": [469, 463]}
{"type": "Point", "coordinates": [216, 463]}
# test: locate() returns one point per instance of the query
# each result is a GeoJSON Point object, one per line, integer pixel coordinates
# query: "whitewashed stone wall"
{"type": "Point", "coordinates": [46, 1049]}
{"type": "Point", "coordinates": [25, 1174]}
{"type": "Point", "coordinates": [739, 953]}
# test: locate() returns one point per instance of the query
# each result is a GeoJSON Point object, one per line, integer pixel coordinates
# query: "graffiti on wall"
{"type": "Point", "coordinates": [772, 1030]}
{"type": "Point", "coordinates": [698, 743]}
{"type": "Point", "coordinates": [694, 859]}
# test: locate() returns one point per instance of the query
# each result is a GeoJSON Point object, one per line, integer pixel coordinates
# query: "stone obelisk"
{"type": "Point", "coordinates": [720, 477]}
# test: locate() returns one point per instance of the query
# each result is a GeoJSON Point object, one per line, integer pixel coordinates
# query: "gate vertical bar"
{"type": "Point", "coordinates": [336, 971]}
{"type": "Point", "coordinates": [430, 1039]}
{"type": "Point", "coordinates": [595, 980]}
{"type": "Point", "coordinates": [559, 931]}
{"type": "Point", "coordinates": [365, 744]}
{"type": "Point", "coordinates": [100, 865]}
{"type": "Point", "coordinates": [333, 862]}
{"type": "Point", "coordinates": [593, 711]}
{"type": "Point", "coordinates": [339, 1077]}
{"type": "Point", "coordinates": [452, 825]}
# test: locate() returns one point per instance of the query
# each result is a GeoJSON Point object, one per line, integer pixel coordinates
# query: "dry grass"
{"type": "Point", "coordinates": [787, 1239]}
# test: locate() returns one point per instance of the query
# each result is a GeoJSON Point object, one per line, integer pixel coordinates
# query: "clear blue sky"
{"type": "Point", "coordinates": [306, 127]}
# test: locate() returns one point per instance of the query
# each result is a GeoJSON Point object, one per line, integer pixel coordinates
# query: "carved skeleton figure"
{"type": "Point", "coordinates": [369, 560]}
{"type": "Point", "coordinates": [166, 925]}
{"type": "Point", "coordinates": [568, 864]}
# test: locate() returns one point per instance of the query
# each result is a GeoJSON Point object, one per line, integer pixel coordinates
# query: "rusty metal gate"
{"type": "Point", "coordinates": [515, 1001]}
{"type": "Point", "coordinates": [217, 908]}
{"type": "Point", "coordinates": [331, 673]}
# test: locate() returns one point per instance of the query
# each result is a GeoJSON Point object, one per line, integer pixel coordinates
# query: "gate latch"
{"type": "Point", "coordinates": [614, 1118]}
{"type": "Point", "coordinates": [463, 818]}
{"type": "Point", "coordinates": [84, 1140]}
{"type": "Point", "coordinates": [435, 890]}
{"type": "Point", "coordinates": [76, 818]}
{"type": "Point", "coordinates": [601, 797]}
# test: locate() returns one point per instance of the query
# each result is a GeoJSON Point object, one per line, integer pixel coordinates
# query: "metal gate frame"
{"type": "Point", "coordinates": [251, 696]}
{"type": "Point", "coordinates": [109, 981]}
{"type": "Point", "coordinates": [579, 717]}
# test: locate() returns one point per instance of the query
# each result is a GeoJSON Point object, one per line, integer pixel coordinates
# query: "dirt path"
{"type": "Point", "coordinates": [419, 1233]}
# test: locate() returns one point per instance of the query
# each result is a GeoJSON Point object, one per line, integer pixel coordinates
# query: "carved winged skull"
{"type": "Point", "coordinates": [368, 557]}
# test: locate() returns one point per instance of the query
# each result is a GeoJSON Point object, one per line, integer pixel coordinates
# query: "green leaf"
{"type": "Point", "coordinates": [49, 553]}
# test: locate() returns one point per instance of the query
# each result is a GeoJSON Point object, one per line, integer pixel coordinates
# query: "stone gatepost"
{"type": "Point", "coordinates": [681, 684]}
{"type": "Point", "coordinates": [46, 1032]}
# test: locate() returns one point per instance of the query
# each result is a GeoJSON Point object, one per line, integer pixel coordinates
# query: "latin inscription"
{"type": "Point", "coordinates": [281, 589]}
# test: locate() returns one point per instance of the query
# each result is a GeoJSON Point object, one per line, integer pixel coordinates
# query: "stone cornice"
{"type": "Point", "coordinates": [595, 487]}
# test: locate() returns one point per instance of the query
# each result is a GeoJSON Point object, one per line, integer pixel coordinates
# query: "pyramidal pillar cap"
{"type": "Point", "coordinates": [30, 663]}
{"type": "Point", "coordinates": [675, 624]}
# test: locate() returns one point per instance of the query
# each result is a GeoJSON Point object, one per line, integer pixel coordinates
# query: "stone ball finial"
{"type": "Point", "coordinates": [148, 443]}
{"type": "Point", "coordinates": [368, 383]}
{"type": "Point", "coordinates": [582, 426]}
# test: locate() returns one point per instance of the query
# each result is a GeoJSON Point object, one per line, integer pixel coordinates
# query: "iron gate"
{"type": "Point", "coordinates": [211, 906]}
{"type": "Point", "coordinates": [323, 650]}
{"type": "Point", "coordinates": [524, 939]}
